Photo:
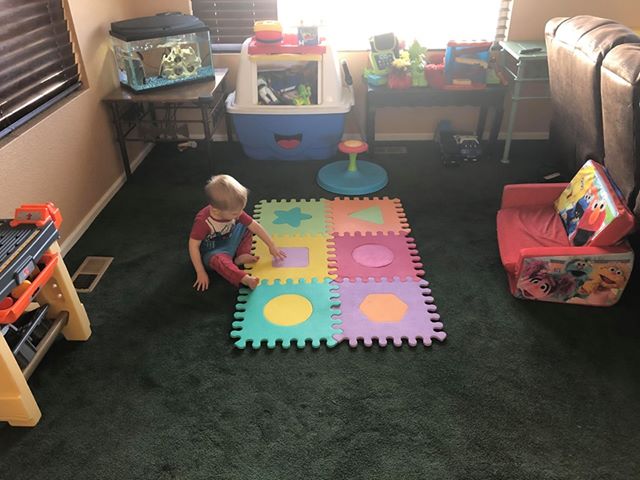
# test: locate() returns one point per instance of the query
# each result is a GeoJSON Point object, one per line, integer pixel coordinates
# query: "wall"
{"type": "Point", "coordinates": [67, 155]}
{"type": "Point", "coordinates": [529, 17]}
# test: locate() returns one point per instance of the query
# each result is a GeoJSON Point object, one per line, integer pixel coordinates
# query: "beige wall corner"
{"type": "Point", "coordinates": [529, 17]}
{"type": "Point", "coordinates": [67, 154]}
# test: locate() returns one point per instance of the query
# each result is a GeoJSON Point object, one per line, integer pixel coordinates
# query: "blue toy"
{"type": "Point", "coordinates": [350, 177]}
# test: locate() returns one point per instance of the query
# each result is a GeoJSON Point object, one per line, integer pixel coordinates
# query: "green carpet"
{"type": "Point", "coordinates": [519, 390]}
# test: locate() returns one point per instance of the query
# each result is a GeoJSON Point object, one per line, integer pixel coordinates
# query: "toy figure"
{"type": "Point", "coordinates": [579, 268]}
{"type": "Point", "coordinates": [537, 283]}
{"type": "Point", "coordinates": [266, 96]}
{"type": "Point", "coordinates": [605, 277]}
{"type": "Point", "coordinates": [304, 95]}
{"type": "Point", "coordinates": [604, 286]}
{"type": "Point", "coordinates": [590, 220]}
{"type": "Point", "coordinates": [417, 58]}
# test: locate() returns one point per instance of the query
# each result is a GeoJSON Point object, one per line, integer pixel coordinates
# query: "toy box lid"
{"type": "Point", "coordinates": [289, 44]}
{"type": "Point", "coordinates": [160, 25]}
{"type": "Point", "coordinates": [591, 208]}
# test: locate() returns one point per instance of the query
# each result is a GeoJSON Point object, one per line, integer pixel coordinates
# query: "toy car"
{"type": "Point", "coordinates": [456, 147]}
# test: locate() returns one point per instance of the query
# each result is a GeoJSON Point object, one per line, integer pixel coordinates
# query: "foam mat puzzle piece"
{"type": "Point", "coordinates": [398, 252]}
{"type": "Point", "coordinates": [292, 217]}
{"type": "Point", "coordinates": [418, 322]}
{"type": "Point", "coordinates": [349, 215]}
{"type": "Point", "coordinates": [317, 265]}
{"type": "Point", "coordinates": [252, 325]}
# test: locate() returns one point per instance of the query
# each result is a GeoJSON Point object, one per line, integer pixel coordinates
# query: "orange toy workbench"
{"type": "Point", "coordinates": [37, 302]}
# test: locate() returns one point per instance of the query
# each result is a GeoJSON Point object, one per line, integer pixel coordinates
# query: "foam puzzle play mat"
{"type": "Point", "coordinates": [352, 274]}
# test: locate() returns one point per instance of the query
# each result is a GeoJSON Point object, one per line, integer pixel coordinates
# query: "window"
{"type": "Point", "coordinates": [350, 23]}
{"type": "Point", "coordinates": [37, 63]}
{"type": "Point", "coordinates": [231, 21]}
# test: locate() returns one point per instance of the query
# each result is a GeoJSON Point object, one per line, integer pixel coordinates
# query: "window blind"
{"type": "Point", "coordinates": [231, 21]}
{"type": "Point", "coordinates": [504, 17]}
{"type": "Point", "coordinates": [37, 62]}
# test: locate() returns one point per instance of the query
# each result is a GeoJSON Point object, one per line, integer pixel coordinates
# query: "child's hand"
{"type": "Point", "coordinates": [277, 253]}
{"type": "Point", "coordinates": [202, 282]}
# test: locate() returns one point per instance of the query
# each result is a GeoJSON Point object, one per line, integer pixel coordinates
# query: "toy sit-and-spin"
{"type": "Point", "coordinates": [37, 302]}
{"type": "Point", "coordinates": [352, 177]}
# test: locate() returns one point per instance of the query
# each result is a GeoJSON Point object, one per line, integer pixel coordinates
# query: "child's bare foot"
{"type": "Point", "coordinates": [245, 258]}
{"type": "Point", "coordinates": [250, 281]}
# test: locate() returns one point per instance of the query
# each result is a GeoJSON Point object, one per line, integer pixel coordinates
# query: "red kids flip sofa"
{"type": "Point", "coordinates": [566, 242]}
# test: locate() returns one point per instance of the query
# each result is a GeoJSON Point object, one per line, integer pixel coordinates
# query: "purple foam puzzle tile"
{"type": "Point", "coordinates": [388, 310]}
{"type": "Point", "coordinates": [296, 257]}
{"type": "Point", "coordinates": [375, 256]}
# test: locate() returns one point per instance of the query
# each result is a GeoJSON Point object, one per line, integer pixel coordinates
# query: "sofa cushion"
{"type": "Point", "coordinates": [524, 227]}
{"type": "Point", "coordinates": [591, 209]}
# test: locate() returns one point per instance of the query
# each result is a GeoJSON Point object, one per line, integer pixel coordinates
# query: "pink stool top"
{"type": "Point", "coordinates": [353, 146]}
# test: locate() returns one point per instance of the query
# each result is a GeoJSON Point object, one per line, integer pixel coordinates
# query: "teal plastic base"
{"type": "Point", "coordinates": [368, 178]}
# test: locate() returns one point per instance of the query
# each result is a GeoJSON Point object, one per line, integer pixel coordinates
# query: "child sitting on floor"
{"type": "Point", "coordinates": [221, 235]}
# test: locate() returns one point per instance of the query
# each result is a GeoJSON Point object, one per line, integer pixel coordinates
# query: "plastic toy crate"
{"type": "Point", "coordinates": [282, 131]}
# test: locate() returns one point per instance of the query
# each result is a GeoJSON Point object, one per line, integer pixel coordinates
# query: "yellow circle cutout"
{"type": "Point", "coordinates": [287, 310]}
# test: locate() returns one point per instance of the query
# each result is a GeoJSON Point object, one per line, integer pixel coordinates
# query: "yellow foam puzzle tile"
{"type": "Point", "coordinates": [307, 258]}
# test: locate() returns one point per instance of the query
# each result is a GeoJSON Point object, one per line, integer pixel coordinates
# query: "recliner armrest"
{"type": "Point", "coordinates": [531, 194]}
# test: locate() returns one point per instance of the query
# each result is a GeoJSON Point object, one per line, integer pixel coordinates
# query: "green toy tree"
{"type": "Point", "coordinates": [417, 57]}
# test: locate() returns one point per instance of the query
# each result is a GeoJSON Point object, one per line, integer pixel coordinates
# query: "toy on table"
{"type": "Point", "coordinates": [308, 35]}
{"type": "Point", "coordinates": [465, 65]}
{"type": "Point", "coordinates": [399, 73]}
{"type": "Point", "coordinates": [417, 57]}
{"type": "Point", "coordinates": [384, 50]}
{"type": "Point", "coordinates": [267, 31]}
{"type": "Point", "coordinates": [434, 70]}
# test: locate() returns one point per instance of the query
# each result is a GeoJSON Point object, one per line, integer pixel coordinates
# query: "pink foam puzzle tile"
{"type": "Point", "coordinates": [351, 215]}
{"type": "Point", "coordinates": [385, 311]}
{"type": "Point", "coordinates": [374, 256]}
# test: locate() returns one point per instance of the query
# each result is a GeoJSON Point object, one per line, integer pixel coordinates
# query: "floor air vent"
{"type": "Point", "coordinates": [90, 272]}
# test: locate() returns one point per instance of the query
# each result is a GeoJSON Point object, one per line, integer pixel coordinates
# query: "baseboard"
{"type": "Point", "coordinates": [68, 243]}
{"type": "Point", "coordinates": [412, 137]}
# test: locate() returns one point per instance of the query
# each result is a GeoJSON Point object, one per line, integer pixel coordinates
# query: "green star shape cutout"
{"type": "Point", "coordinates": [292, 217]}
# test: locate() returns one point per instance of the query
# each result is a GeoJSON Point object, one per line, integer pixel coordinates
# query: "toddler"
{"type": "Point", "coordinates": [221, 235]}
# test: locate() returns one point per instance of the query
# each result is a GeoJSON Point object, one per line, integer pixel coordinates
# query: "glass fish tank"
{"type": "Point", "coordinates": [161, 51]}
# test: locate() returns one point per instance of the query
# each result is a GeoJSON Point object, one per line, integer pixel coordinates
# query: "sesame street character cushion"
{"type": "Point", "coordinates": [591, 209]}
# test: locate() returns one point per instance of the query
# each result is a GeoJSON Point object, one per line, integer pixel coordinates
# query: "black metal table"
{"type": "Point", "coordinates": [490, 97]}
{"type": "Point", "coordinates": [153, 116]}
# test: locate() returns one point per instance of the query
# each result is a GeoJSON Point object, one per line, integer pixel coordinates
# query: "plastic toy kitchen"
{"type": "Point", "coordinates": [290, 100]}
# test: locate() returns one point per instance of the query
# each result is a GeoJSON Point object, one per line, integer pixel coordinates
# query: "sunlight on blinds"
{"type": "Point", "coordinates": [349, 23]}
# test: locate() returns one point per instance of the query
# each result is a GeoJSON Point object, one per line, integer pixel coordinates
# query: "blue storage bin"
{"type": "Point", "coordinates": [289, 132]}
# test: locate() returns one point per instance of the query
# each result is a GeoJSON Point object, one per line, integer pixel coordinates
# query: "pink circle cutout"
{"type": "Point", "coordinates": [372, 255]}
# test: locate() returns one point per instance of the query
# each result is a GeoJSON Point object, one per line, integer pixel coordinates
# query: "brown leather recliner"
{"type": "Point", "coordinates": [620, 78]}
{"type": "Point", "coordinates": [577, 47]}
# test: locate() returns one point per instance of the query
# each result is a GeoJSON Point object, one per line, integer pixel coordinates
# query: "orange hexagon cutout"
{"type": "Point", "coordinates": [383, 308]}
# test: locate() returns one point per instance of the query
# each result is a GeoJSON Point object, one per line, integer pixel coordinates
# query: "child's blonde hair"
{"type": "Point", "coordinates": [226, 193]}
